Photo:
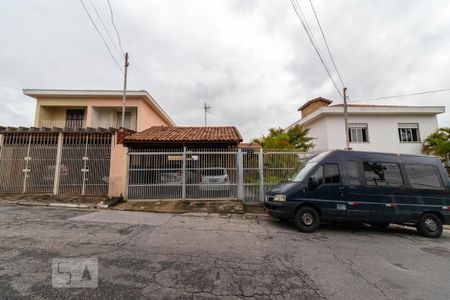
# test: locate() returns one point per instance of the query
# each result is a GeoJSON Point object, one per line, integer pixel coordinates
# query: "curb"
{"type": "Point", "coordinates": [30, 203]}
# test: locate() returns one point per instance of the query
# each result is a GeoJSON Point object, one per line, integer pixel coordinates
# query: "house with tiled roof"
{"type": "Point", "coordinates": [185, 136]}
{"type": "Point", "coordinates": [383, 128]}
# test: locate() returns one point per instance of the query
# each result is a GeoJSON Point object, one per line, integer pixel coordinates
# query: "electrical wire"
{"type": "Point", "coordinates": [101, 36]}
{"type": "Point", "coordinates": [402, 95]}
{"type": "Point", "coordinates": [326, 44]}
{"type": "Point", "coordinates": [106, 28]}
{"type": "Point", "coordinates": [115, 28]}
{"type": "Point", "coordinates": [301, 17]}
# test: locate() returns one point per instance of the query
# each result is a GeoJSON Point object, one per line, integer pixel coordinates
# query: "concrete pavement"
{"type": "Point", "coordinates": [166, 256]}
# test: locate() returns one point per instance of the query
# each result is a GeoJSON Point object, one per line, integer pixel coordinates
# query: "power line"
{"type": "Point", "coordinates": [103, 39]}
{"type": "Point", "coordinates": [302, 19]}
{"type": "Point", "coordinates": [106, 29]}
{"type": "Point", "coordinates": [402, 95]}
{"type": "Point", "coordinates": [326, 44]}
{"type": "Point", "coordinates": [115, 28]}
{"type": "Point", "coordinates": [10, 86]}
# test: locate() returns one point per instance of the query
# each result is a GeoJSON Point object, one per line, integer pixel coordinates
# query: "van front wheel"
{"type": "Point", "coordinates": [307, 219]}
{"type": "Point", "coordinates": [430, 226]}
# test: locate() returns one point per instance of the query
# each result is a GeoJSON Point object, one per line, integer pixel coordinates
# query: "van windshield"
{"type": "Point", "coordinates": [300, 172]}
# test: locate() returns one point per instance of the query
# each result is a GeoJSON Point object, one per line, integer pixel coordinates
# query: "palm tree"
{"type": "Point", "coordinates": [438, 143]}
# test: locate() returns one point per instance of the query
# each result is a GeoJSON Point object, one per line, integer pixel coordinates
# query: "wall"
{"type": "Point", "coordinates": [118, 170]}
{"type": "Point", "coordinates": [312, 107]}
{"type": "Point", "coordinates": [382, 131]}
{"type": "Point", "coordinates": [318, 130]}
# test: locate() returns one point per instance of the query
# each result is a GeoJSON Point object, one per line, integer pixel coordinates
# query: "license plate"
{"type": "Point", "coordinates": [341, 207]}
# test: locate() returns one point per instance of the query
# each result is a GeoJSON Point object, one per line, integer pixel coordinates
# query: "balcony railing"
{"type": "Point", "coordinates": [62, 123]}
{"type": "Point", "coordinates": [129, 124]}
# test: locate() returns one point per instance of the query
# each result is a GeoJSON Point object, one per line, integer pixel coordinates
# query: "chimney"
{"type": "Point", "coordinates": [313, 105]}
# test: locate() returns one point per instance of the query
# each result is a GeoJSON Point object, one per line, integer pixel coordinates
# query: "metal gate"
{"type": "Point", "coordinates": [188, 174]}
{"type": "Point", "coordinates": [84, 164]}
{"type": "Point", "coordinates": [52, 162]}
{"type": "Point", "coordinates": [27, 162]}
{"type": "Point", "coordinates": [208, 174]}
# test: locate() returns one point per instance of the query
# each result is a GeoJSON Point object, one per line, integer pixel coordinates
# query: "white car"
{"type": "Point", "coordinates": [215, 179]}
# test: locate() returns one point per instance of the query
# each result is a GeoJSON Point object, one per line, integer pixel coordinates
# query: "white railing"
{"type": "Point", "coordinates": [129, 124]}
{"type": "Point", "coordinates": [62, 123]}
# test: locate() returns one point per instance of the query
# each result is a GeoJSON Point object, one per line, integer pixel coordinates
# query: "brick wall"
{"type": "Point", "coordinates": [312, 107]}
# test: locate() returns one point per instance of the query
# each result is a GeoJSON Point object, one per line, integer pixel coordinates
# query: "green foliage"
{"type": "Point", "coordinates": [438, 143]}
{"type": "Point", "coordinates": [295, 138]}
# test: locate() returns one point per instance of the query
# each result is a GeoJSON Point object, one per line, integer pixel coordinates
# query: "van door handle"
{"type": "Point", "coordinates": [341, 188]}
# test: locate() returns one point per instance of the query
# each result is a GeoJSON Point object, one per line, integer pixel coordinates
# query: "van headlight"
{"type": "Point", "coordinates": [279, 198]}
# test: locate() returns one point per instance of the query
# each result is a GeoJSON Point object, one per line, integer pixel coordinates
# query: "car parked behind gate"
{"type": "Point", "coordinates": [215, 179]}
{"type": "Point", "coordinates": [366, 187]}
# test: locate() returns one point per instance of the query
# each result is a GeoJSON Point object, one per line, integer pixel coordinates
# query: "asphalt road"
{"type": "Point", "coordinates": [165, 256]}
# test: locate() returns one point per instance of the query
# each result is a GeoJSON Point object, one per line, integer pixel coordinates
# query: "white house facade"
{"type": "Point", "coordinates": [381, 128]}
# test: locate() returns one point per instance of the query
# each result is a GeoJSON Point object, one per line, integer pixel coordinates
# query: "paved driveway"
{"type": "Point", "coordinates": [145, 255]}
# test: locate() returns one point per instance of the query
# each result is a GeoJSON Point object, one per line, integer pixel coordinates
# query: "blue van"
{"type": "Point", "coordinates": [365, 187]}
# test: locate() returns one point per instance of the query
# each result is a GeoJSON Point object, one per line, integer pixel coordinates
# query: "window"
{"type": "Point", "coordinates": [408, 132]}
{"type": "Point", "coordinates": [127, 120]}
{"type": "Point", "coordinates": [357, 133]}
{"type": "Point", "coordinates": [331, 173]}
{"type": "Point", "coordinates": [351, 168]}
{"type": "Point", "coordinates": [74, 118]}
{"type": "Point", "coordinates": [423, 176]}
{"type": "Point", "coordinates": [327, 173]}
{"type": "Point", "coordinates": [382, 174]}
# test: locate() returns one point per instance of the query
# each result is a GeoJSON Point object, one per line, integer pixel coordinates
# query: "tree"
{"type": "Point", "coordinates": [438, 143]}
{"type": "Point", "coordinates": [294, 138]}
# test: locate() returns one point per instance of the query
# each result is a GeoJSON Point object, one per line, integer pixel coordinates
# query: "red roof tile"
{"type": "Point", "coordinates": [163, 134]}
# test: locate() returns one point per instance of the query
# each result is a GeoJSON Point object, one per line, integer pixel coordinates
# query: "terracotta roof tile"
{"type": "Point", "coordinates": [187, 134]}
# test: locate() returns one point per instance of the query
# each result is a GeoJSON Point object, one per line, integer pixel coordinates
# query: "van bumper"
{"type": "Point", "coordinates": [280, 210]}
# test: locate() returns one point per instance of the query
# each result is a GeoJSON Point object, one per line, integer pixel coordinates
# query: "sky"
{"type": "Point", "coordinates": [250, 60]}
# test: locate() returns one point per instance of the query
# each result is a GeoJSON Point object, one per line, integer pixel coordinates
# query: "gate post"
{"type": "Point", "coordinates": [183, 176]}
{"type": "Point", "coordinates": [1, 145]}
{"type": "Point", "coordinates": [240, 179]}
{"type": "Point", "coordinates": [261, 174]}
{"type": "Point", "coordinates": [58, 164]}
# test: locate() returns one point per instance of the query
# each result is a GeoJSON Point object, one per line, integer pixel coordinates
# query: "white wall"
{"type": "Point", "coordinates": [382, 131]}
{"type": "Point", "coordinates": [318, 131]}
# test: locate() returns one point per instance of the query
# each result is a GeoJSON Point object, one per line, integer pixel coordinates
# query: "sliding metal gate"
{"type": "Point", "coordinates": [197, 174]}
{"type": "Point", "coordinates": [52, 162]}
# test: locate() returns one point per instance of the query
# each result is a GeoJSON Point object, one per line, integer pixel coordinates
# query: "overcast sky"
{"type": "Point", "coordinates": [250, 60]}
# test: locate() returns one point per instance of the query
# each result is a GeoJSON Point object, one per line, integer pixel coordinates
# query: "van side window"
{"type": "Point", "coordinates": [331, 173]}
{"type": "Point", "coordinates": [423, 177]}
{"type": "Point", "coordinates": [327, 173]}
{"type": "Point", "coordinates": [351, 168]}
{"type": "Point", "coordinates": [382, 174]}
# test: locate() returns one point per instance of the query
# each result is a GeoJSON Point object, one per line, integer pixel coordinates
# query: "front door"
{"type": "Point", "coordinates": [325, 190]}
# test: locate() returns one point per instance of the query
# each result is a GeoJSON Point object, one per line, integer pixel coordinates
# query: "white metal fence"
{"type": "Point", "coordinates": [55, 162]}
{"type": "Point", "coordinates": [208, 174]}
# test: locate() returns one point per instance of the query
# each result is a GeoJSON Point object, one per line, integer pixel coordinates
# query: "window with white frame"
{"type": "Point", "coordinates": [408, 132]}
{"type": "Point", "coordinates": [358, 133]}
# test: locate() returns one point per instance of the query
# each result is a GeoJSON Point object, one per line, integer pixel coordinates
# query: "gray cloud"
{"type": "Point", "coordinates": [250, 60]}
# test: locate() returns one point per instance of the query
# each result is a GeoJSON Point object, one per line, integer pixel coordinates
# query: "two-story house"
{"type": "Point", "coordinates": [382, 128]}
{"type": "Point", "coordinates": [96, 109]}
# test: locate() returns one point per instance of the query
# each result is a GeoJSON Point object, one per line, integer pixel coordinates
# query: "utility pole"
{"type": "Point", "coordinates": [347, 141]}
{"type": "Point", "coordinates": [124, 100]}
{"type": "Point", "coordinates": [206, 106]}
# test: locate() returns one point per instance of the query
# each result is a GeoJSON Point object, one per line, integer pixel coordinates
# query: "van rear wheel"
{"type": "Point", "coordinates": [307, 219]}
{"type": "Point", "coordinates": [430, 226]}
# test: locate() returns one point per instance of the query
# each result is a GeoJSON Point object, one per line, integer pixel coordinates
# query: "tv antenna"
{"type": "Point", "coordinates": [206, 107]}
